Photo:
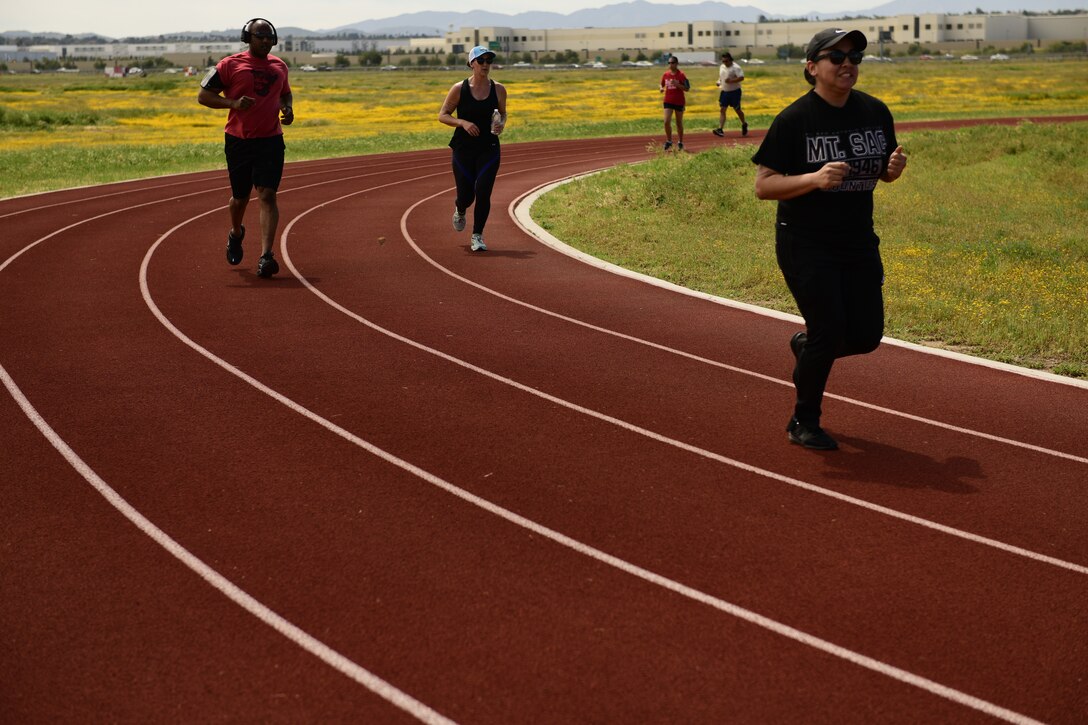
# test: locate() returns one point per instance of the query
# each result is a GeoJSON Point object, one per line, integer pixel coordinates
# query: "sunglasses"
{"type": "Point", "coordinates": [837, 57]}
{"type": "Point", "coordinates": [484, 60]}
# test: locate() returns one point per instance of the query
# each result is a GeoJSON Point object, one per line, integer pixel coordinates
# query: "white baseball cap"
{"type": "Point", "coordinates": [477, 52]}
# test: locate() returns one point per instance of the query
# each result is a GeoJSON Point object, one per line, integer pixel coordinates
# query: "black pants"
{"type": "Point", "coordinates": [474, 170]}
{"type": "Point", "coordinates": [838, 289]}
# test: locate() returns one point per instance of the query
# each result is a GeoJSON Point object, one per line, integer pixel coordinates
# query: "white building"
{"type": "Point", "coordinates": [680, 36]}
{"type": "Point", "coordinates": [704, 35]}
{"type": "Point", "coordinates": [109, 51]}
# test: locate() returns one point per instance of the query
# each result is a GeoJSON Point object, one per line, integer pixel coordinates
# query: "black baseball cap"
{"type": "Point", "coordinates": [826, 39]}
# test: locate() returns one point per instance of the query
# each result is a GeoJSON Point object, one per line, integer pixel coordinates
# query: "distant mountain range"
{"type": "Point", "coordinates": [626, 14]}
{"type": "Point", "coordinates": [640, 12]}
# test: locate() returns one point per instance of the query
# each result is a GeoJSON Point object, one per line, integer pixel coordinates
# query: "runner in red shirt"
{"type": "Point", "coordinates": [254, 86]}
{"type": "Point", "coordinates": [673, 85]}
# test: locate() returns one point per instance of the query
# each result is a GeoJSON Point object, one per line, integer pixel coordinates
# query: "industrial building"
{"type": "Point", "coordinates": [937, 30]}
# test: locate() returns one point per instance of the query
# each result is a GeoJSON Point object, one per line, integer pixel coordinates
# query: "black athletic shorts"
{"type": "Point", "coordinates": [253, 162]}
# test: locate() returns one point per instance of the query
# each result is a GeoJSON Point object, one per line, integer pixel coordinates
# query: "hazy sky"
{"type": "Point", "coordinates": [121, 18]}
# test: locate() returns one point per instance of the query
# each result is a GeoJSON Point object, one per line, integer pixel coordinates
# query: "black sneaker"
{"type": "Point", "coordinates": [267, 265]}
{"type": "Point", "coordinates": [797, 343]}
{"type": "Point", "coordinates": [744, 129]}
{"type": "Point", "coordinates": [234, 246]}
{"type": "Point", "coordinates": [719, 132]}
{"type": "Point", "coordinates": [667, 146]}
{"type": "Point", "coordinates": [810, 436]}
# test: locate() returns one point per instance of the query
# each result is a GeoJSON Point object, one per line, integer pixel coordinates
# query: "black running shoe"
{"type": "Point", "coordinates": [267, 265]}
{"type": "Point", "coordinates": [797, 343]}
{"type": "Point", "coordinates": [234, 246]}
{"type": "Point", "coordinates": [744, 129]}
{"type": "Point", "coordinates": [718, 132]}
{"type": "Point", "coordinates": [810, 436]}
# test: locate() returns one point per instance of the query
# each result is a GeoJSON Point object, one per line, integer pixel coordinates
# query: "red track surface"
{"type": "Point", "coordinates": [401, 479]}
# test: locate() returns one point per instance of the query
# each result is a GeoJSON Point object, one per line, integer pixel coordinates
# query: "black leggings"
{"type": "Point", "coordinates": [839, 293]}
{"type": "Point", "coordinates": [474, 170]}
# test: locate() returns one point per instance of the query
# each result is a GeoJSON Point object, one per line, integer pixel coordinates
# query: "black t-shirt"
{"type": "Point", "coordinates": [811, 132]}
{"type": "Point", "coordinates": [479, 113]}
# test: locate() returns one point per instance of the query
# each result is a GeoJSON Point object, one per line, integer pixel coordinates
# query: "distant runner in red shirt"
{"type": "Point", "coordinates": [254, 86]}
{"type": "Point", "coordinates": [673, 85]}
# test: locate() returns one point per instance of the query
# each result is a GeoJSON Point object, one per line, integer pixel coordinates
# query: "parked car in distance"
{"type": "Point", "coordinates": [999, 56]}
{"type": "Point", "coordinates": [307, 68]}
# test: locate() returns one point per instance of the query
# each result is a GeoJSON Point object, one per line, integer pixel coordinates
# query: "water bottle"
{"type": "Point", "coordinates": [496, 122]}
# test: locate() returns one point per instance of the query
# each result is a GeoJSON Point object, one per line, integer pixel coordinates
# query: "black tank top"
{"type": "Point", "coordinates": [479, 113]}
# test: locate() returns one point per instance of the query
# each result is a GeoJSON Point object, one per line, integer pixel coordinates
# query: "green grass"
{"type": "Point", "coordinates": [24, 170]}
{"type": "Point", "coordinates": [44, 120]}
{"type": "Point", "coordinates": [950, 90]}
{"type": "Point", "coordinates": [983, 238]}
{"type": "Point", "coordinates": [28, 171]}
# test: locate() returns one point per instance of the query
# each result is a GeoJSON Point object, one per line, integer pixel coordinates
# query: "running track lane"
{"type": "Point", "coordinates": [495, 487]}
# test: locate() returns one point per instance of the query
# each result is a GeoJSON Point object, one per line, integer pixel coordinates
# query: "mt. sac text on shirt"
{"type": "Point", "coordinates": [864, 150]}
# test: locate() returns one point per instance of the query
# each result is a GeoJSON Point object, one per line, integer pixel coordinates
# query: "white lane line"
{"type": "Point", "coordinates": [790, 632]}
{"type": "Point", "coordinates": [141, 183]}
{"type": "Point", "coordinates": [307, 642]}
{"type": "Point", "coordinates": [284, 627]}
{"type": "Point", "coordinates": [295, 634]}
{"type": "Point", "coordinates": [1019, 551]}
{"type": "Point", "coordinates": [545, 238]}
{"type": "Point", "coordinates": [55, 232]}
{"type": "Point", "coordinates": [337, 180]}
{"type": "Point", "coordinates": [812, 488]}
{"type": "Point", "coordinates": [729, 608]}
{"type": "Point", "coordinates": [152, 187]}
{"type": "Point", "coordinates": [520, 211]}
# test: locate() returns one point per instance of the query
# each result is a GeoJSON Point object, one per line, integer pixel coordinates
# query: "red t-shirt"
{"type": "Point", "coordinates": [264, 79]}
{"type": "Point", "coordinates": [674, 86]}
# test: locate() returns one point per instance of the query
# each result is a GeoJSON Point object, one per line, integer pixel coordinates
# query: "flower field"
{"type": "Point", "coordinates": [970, 265]}
{"type": "Point", "coordinates": [982, 238]}
{"type": "Point", "coordinates": [39, 111]}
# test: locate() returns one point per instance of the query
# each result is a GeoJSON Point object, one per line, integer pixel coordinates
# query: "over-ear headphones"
{"type": "Point", "coordinates": [245, 30]}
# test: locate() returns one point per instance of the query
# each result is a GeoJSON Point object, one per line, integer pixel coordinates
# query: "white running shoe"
{"type": "Point", "coordinates": [478, 243]}
{"type": "Point", "coordinates": [458, 221]}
